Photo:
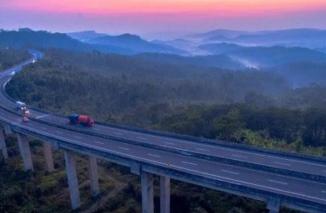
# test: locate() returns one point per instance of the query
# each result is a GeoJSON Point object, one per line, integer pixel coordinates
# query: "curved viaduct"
{"type": "Point", "coordinates": [279, 179]}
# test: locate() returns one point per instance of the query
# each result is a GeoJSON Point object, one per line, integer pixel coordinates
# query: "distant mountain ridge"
{"type": "Point", "coordinates": [123, 44]}
{"type": "Point", "coordinates": [265, 56]}
{"type": "Point", "coordinates": [26, 38]}
{"type": "Point", "coordinates": [304, 37]}
{"type": "Point", "coordinates": [130, 43]}
{"type": "Point", "coordinates": [84, 36]}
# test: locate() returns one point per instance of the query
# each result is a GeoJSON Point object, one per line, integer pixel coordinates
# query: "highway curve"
{"type": "Point", "coordinates": [179, 155]}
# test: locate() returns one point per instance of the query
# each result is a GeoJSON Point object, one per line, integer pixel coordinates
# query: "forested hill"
{"type": "Point", "coordinates": [135, 91]}
{"type": "Point", "coordinates": [124, 83]}
{"type": "Point", "coordinates": [10, 57]}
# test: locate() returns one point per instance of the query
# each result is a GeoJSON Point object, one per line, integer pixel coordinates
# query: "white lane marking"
{"type": "Point", "coordinates": [123, 148]}
{"type": "Point", "coordinates": [245, 182]}
{"type": "Point", "coordinates": [277, 157]}
{"type": "Point", "coordinates": [277, 181]}
{"type": "Point", "coordinates": [230, 172]}
{"type": "Point", "coordinates": [282, 163]}
{"type": "Point", "coordinates": [239, 156]}
{"type": "Point", "coordinates": [189, 163]}
{"type": "Point", "coordinates": [202, 149]}
{"type": "Point", "coordinates": [41, 116]}
{"type": "Point", "coordinates": [98, 142]}
{"type": "Point", "coordinates": [240, 182]}
{"type": "Point", "coordinates": [140, 138]}
{"type": "Point", "coordinates": [153, 155]}
{"type": "Point", "coordinates": [169, 143]}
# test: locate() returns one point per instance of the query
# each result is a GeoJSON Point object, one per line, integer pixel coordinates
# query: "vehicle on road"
{"type": "Point", "coordinates": [20, 105]}
{"type": "Point", "coordinates": [84, 120]}
{"type": "Point", "coordinates": [25, 113]}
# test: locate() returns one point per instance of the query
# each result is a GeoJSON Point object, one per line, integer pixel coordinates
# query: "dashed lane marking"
{"type": "Point", "coordinates": [169, 143]}
{"type": "Point", "coordinates": [41, 116]}
{"type": "Point", "coordinates": [153, 155]}
{"type": "Point", "coordinates": [189, 163]}
{"type": "Point", "coordinates": [277, 181]}
{"type": "Point", "coordinates": [202, 149]}
{"type": "Point", "coordinates": [282, 163]}
{"type": "Point", "coordinates": [123, 148]}
{"type": "Point", "coordinates": [230, 172]}
{"type": "Point", "coordinates": [98, 142]}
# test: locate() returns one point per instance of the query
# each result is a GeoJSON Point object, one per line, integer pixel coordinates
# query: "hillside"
{"type": "Point", "coordinates": [26, 38]}
{"type": "Point", "coordinates": [133, 44]}
{"type": "Point", "coordinates": [254, 108]}
{"type": "Point", "coordinates": [10, 57]}
{"type": "Point", "coordinates": [116, 85]}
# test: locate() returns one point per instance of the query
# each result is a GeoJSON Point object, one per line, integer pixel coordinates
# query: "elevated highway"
{"type": "Point", "coordinates": [278, 178]}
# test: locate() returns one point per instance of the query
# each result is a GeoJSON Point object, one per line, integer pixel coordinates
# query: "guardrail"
{"type": "Point", "coordinates": [159, 169]}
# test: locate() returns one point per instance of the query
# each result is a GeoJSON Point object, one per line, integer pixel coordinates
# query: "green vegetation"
{"type": "Point", "coordinates": [255, 108]}
{"type": "Point", "coordinates": [10, 57]}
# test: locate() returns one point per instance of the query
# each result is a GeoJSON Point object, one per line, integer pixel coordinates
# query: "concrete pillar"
{"type": "Point", "coordinates": [164, 194]}
{"type": "Point", "coordinates": [273, 205]}
{"type": "Point", "coordinates": [72, 179]}
{"type": "Point", "coordinates": [93, 176]}
{"type": "Point", "coordinates": [8, 130]}
{"type": "Point", "coordinates": [47, 150]}
{"type": "Point", "coordinates": [25, 152]}
{"type": "Point", "coordinates": [147, 192]}
{"type": "Point", "coordinates": [3, 145]}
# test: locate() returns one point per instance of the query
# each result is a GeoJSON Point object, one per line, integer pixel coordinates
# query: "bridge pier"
{"type": "Point", "coordinates": [93, 176]}
{"type": "Point", "coordinates": [72, 179]}
{"type": "Point", "coordinates": [3, 145]}
{"type": "Point", "coordinates": [25, 152]}
{"type": "Point", "coordinates": [164, 194]}
{"type": "Point", "coordinates": [273, 205]}
{"type": "Point", "coordinates": [147, 192]}
{"type": "Point", "coordinates": [48, 155]}
{"type": "Point", "coordinates": [8, 130]}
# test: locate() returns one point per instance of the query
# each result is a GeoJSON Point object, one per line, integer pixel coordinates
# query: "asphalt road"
{"type": "Point", "coordinates": [235, 154]}
{"type": "Point", "coordinates": [270, 182]}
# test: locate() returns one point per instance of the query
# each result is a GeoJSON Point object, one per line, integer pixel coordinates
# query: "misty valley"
{"type": "Point", "coordinates": [264, 89]}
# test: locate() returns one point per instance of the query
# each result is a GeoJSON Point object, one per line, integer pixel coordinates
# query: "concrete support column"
{"type": "Point", "coordinates": [8, 130]}
{"type": "Point", "coordinates": [25, 152]}
{"type": "Point", "coordinates": [3, 145]}
{"type": "Point", "coordinates": [47, 150]}
{"type": "Point", "coordinates": [273, 205]}
{"type": "Point", "coordinates": [93, 176]}
{"type": "Point", "coordinates": [164, 194]}
{"type": "Point", "coordinates": [72, 179]}
{"type": "Point", "coordinates": [147, 192]}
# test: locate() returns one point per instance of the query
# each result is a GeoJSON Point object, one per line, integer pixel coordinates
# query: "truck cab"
{"type": "Point", "coordinates": [20, 105]}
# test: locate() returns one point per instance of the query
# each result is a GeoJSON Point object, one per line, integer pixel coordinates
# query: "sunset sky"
{"type": "Point", "coordinates": [157, 17]}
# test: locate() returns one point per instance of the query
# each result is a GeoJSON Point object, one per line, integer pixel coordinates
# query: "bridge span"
{"type": "Point", "coordinates": [279, 179]}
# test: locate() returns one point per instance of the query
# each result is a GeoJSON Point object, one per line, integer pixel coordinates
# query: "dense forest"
{"type": "Point", "coordinates": [249, 106]}
{"type": "Point", "coordinates": [10, 57]}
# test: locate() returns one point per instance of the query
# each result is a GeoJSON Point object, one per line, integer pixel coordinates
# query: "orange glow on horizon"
{"type": "Point", "coordinates": [235, 7]}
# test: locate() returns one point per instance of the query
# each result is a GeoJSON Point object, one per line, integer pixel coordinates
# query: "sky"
{"type": "Point", "coordinates": [161, 18]}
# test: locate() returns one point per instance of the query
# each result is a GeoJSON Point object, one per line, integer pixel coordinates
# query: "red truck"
{"type": "Point", "coordinates": [84, 120]}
